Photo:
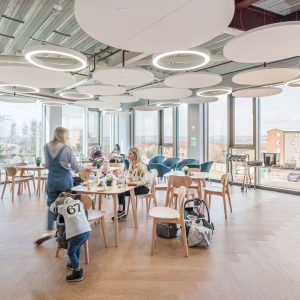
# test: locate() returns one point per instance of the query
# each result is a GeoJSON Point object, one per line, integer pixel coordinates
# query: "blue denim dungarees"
{"type": "Point", "coordinates": [59, 180]}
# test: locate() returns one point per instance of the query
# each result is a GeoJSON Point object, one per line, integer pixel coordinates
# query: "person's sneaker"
{"type": "Point", "coordinates": [43, 238]}
{"type": "Point", "coordinates": [75, 276]}
{"type": "Point", "coordinates": [121, 216]}
{"type": "Point", "coordinates": [69, 266]}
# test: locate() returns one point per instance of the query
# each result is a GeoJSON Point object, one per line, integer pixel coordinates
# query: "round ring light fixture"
{"type": "Point", "coordinates": [181, 60]}
{"type": "Point", "coordinates": [293, 83]}
{"type": "Point", "coordinates": [257, 92]}
{"type": "Point", "coordinates": [32, 52]}
{"type": "Point", "coordinates": [167, 104]}
{"type": "Point", "coordinates": [214, 91]}
{"type": "Point", "coordinates": [16, 88]}
{"type": "Point", "coordinates": [76, 95]}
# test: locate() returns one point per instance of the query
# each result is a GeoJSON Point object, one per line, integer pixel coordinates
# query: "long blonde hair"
{"type": "Point", "coordinates": [136, 153]}
{"type": "Point", "coordinates": [59, 136]}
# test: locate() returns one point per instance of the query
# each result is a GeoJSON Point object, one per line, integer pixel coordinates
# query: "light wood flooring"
{"type": "Point", "coordinates": [255, 255]}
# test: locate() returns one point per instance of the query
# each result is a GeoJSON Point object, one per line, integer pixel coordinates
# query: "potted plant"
{"type": "Point", "coordinates": [38, 161]}
{"type": "Point", "coordinates": [98, 162]}
{"type": "Point", "coordinates": [185, 169]}
{"type": "Point", "coordinates": [108, 179]}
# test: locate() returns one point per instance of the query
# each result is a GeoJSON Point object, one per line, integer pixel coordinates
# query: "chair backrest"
{"type": "Point", "coordinates": [86, 201]}
{"type": "Point", "coordinates": [206, 166]}
{"type": "Point", "coordinates": [156, 159]}
{"type": "Point", "coordinates": [224, 182]}
{"type": "Point", "coordinates": [185, 162]}
{"type": "Point", "coordinates": [84, 175]}
{"type": "Point", "coordinates": [182, 192]}
{"type": "Point", "coordinates": [178, 181]}
{"type": "Point", "coordinates": [170, 162]}
{"type": "Point", "coordinates": [10, 171]}
{"type": "Point", "coordinates": [118, 165]}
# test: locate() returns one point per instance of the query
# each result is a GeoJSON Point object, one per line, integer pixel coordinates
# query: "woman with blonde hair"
{"type": "Point", "coordinates": [138, 174]}
{"type": "Point", "coordinates": [60, 161]}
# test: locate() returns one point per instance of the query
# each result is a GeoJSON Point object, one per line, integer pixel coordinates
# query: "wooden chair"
{"type": "Point", "coordinates": [11, 179]}
{"type": "Point", "coordinates": [221, 191]}
{"type": "Point", "coordinates": [150, 196]}
{"type": "Point", "coordinates": [170, 215]}
{"type": "Point", "coordinates": [94, 217]}
{"type": "Point", "coordinates": [84, 175]}
{"type": "Point", "coordinates": [31, 175]}
{"type": "Point", "coordinates": [175, 182]}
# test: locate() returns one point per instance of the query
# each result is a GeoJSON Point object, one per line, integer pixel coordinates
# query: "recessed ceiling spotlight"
{"type": "Point", "coordinates": [181, 60]}
{"type": "Point", "coordinates": [214, 91]}
{"type": "Point", "coordinates": [32, 52]}
{"type": "Point", "coordinates": [16, 88]}
{"type": "Point", "coordinates": [76, 95]}
{"type": "Point", "coordinates": [293, 83]}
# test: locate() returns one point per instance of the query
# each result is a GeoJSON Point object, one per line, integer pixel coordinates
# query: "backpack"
{"type": "Point", "coordinates": [61, 233]}
{"type": "Point", "coordinates": [199, 228]}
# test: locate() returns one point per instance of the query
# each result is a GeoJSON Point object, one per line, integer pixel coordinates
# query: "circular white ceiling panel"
{"type": "Point", "coordinates": [97, 104]}
{"type": "Point", "coordinates": [257, 92]}
{"type": "Point", "coordinates": [123, 76]}
{"type": "Point", "coordinates": [265, 76]}
{"type": "Point", "coordinates": [181, 60]}
{"type": "Point", "coordinates": [214, 91]}
{"type": "Point", "coordinates": [293, 83]}
{"type": "Point", "coordinates": [193, 80]}
{"type": "Point", "coordinates": [148, 108]}
{"type": "Point", "coordinates": [198, 100]}
{"type": "Point", "coordinates": [98, 89]}
{"type": "Point", "coordinates": [119, 99]}
{"type": "Point", "coordinates": [17, 99]}
{"type": "Point", "coordinates": [272, 42]}
{"type": "Point", "coordinates": [162, 93]}
{"type": "Point", "coordinates": [154, 26]}
{"type": "Point", "coordinates": [33, 76]}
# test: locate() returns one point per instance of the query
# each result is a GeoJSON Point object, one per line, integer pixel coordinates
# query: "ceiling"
{"type": "Point", "coordinates": [30, 22]}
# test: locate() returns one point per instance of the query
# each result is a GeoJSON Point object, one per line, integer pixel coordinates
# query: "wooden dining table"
{"type": "Point", "coordinates": [33, 168]}
{"type": "Point", "coordinates": [197, 177]}
{"type": "Point", "coordinates": [113, 191]}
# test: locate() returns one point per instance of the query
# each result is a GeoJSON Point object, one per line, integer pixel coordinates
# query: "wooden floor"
{"type": "Point", "coordinates": [254, 255]}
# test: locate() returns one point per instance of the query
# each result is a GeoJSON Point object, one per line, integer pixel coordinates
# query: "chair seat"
{"type": "Point", "coordinates": [214, 188]}
{"type": "Point", "coordinates": [164, 213]}
{"type": "Point", "coordinates": [18, 179]}
{"type": "Point", "coordinates": [94, 215]}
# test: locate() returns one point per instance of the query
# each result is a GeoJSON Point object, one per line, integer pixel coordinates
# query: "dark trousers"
{"type": "Point", "coordinates": [139, 190]}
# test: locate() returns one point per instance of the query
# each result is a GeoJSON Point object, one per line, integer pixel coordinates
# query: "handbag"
{"type": "Point", "coordinates": [199, 228]}
{"type": "Point", "coordinates": [166, 230]}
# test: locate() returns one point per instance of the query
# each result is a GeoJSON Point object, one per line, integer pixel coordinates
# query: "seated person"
{"type": "Point", "coordinates": [116, 151]}
{"type": "Point", "coordinates": [137, 174]}
{"type": "Point", "coordinates": [97, 153]}
{"type": "Point", "coordinates": [105, 169]}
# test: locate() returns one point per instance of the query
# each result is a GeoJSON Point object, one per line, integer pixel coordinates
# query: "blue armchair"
{"type": "Point", "coordinates": [155, 160]}
{"type": "Point", "coordinates": [185, 162]}
{"type": "Point", "coordinates": [166, 166]}
{"type": "Point", "coordinates": [126, 163]}
{"type": "Point", "coordinates": [206, 166]}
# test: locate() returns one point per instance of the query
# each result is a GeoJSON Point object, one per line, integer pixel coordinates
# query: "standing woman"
{"type": "Point", "coordinates": [60, 161]}
{"type": "Point", "coordinates": [137, 173]}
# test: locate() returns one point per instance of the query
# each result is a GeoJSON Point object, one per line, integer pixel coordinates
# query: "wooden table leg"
{"type": "Point", "coordinates": [133, 203]}
{"type": "Point", "coordinates": [115, 200]}
{"type": "Point", "coordinates": [38, 190]}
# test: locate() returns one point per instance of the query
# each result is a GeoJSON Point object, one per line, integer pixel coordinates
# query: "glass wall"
{"type": "Point", "coordinates": [106, 132]}
{"type": "Point", "coordinates": [93, 130]}
{"type": "Point", "coordinates": [182, 131]}
{"type": "Point", "coordinates": [280, 139]}
{"type": "Point", "coordinates": [217, 136]}
{"type": "Point", "coordinates": [73, 118]}
{"type": "Point", "coordinates": [168, 138]}
{"type": "Point", "coordinates": [20, 132]}
{"type": "Point", "coordinates": [146, 135]}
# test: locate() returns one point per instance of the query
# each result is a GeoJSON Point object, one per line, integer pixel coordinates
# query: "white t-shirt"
{"type": "Point", "coordinates": [75, 218]}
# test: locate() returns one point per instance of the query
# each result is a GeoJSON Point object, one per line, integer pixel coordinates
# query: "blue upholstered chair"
{"type": "Point", "coordinates": [206, 166]}
{"type": "Point", "coordinates": [155, 160]}
{"type": "Point", "coordinates": [126, 164]}
{"type": "Point", "coordinates": [166, 166]}
{"type": "Point", "coordinates": [185, 162]}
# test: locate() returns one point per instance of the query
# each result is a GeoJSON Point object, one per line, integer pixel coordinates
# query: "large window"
{"type": "Point", "coordinates": [183, 131]}
{"type": "Point", "coordinates": [280, 139]}
{"type": "Point", "coordinates": [20, 132]}
{"type": "Point", "coordinates": [243, 121]}
{"type": "Point", "coordinates": [146, 133]}
{"type": "Point", "coordinates": [217, 136]}
{"type": "Point", "coordinates": [106, 132]}
{"type": "Point", "coordinates": [73, 118]}
{"type": "Point", "coordinates": [168, 141]}
{"type": "Point", "coordinates": [93, 129]}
